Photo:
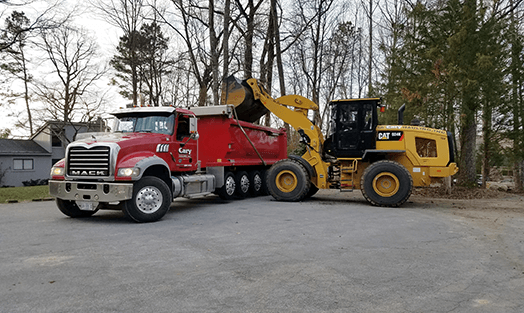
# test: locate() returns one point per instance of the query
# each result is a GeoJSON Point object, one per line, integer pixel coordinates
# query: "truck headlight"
{"type": "Point", "coordinates": [128, 172]}
{"type": "Point", "coordinates": [57, 171]}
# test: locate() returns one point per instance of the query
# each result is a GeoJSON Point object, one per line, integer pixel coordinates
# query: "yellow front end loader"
{"type": "Point", "coordinates": [384, 161]}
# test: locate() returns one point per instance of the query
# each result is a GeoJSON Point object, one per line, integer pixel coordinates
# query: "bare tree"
{"type": "Point", "coordinates": [127, 16]}
{"type": "Point", "coordinates": [71, 54]}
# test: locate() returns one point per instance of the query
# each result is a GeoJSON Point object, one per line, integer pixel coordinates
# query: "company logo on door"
{"type": "Point", "coordinates": [184, 151]}
{"type": "Point", "coordinates": [390, 136]}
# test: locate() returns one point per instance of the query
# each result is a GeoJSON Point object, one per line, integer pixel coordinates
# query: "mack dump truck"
{"type": "Point", "coordinates": [384, 161]}
{"type": "Point", "coordinates": [156, 154]}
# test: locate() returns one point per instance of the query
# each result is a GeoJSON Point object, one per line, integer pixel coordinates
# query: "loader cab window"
{"type": "Point", "coordinates": [352, 127]}
{"type": "Point", "coordinates": [426, 148]}
{"type": "Point", "coordinates": [182, 129]}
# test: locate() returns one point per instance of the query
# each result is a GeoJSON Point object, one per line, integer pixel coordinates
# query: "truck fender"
{"type": "Point", "coordinates": [310, 169]}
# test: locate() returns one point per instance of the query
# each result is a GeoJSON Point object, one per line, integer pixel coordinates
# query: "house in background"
{"type": "Point", "coordinates": [26, 160]}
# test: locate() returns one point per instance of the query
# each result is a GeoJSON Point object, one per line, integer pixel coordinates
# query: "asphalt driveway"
{"type": "Point", "coordinates": [334, 253]}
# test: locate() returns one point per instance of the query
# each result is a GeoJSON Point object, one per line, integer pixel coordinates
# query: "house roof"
{"type": "Point", "coordinates": [21, 147]}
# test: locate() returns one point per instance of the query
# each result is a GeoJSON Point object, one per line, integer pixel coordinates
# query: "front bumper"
{"type": "Point", "coordinates": [90, 191]}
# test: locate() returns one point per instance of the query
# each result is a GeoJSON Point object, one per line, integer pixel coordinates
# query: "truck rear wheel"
{"type": "Point", "coordinates": [242, 184]}
{"type": "Point", "coordinates": [70, 209]}
{"type": "Point", "coordinates": [227, 192]}
{"type": "Point", "coordinates": [386, 183]}
{"type": "Point", "coordinates": [287, 180]}
{"type": "Point", "coordinates": [255, 183]}
{"type": "Point", "coordinates": [150, 202]}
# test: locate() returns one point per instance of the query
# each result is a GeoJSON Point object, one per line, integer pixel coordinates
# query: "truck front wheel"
{"type": "Point", "coordinates": [150, 202]}
{"type": "Point", "coordinates": [287, 180]}
{"type": "Point", "coordinates": [70, 209]}
{"type": "Point", "coordinates": [386, 183]}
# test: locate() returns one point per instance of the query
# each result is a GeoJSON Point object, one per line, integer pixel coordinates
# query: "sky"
{"type": "Point", "coordinates": [106, 35]}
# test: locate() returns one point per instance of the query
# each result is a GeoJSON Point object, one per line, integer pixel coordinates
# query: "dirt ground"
{"type": "Point", "coordinates": [491, 208]}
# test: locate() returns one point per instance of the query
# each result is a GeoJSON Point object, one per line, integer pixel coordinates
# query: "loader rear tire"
{"type": "Point", "coordinates": [386, 183]}
{"type": "Point", "coordinates": [288, 180]}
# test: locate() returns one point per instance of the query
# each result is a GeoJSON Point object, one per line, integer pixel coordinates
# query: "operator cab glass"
{"type": "Point", "coordinates": [352, 128]}
{"type": "Point", "coordinates": [140, 123]}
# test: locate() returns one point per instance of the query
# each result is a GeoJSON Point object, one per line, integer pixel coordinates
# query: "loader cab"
{"type": "Point", "coordinates": [352, 128]}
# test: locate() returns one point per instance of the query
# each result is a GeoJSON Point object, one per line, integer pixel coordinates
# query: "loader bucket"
{"type": "Point", "coordinates": [239, 94]}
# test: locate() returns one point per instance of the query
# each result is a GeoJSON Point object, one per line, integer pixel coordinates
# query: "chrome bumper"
{"type": "Point", "coordinates": [87, 191]}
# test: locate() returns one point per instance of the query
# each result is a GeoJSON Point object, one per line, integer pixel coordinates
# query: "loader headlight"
{"type": "Point", "coordinates": [128, 172]}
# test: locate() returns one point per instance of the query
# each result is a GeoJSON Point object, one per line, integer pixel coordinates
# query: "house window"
{"type": "Point", "coordinates": [23, 164]}
{"type": "Point", "coordinates": [55, 141]}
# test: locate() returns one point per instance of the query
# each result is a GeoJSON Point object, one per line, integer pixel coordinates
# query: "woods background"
{"type": "Point", "coordinates": [457, 65]}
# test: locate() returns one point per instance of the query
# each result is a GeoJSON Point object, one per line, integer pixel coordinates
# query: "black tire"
{"type": "Point", "coordinates": [227, 192]}
{"type": "Point", "coordinates": [150, 202]}
{"type": "Point", "coordinates": [312, 191]}
{"type": "Point", "coordinates": [242, 184]}
{"type": "Point", "coordinates": [287, 180]}
{"type": "Point", "coordinates": [70, 209]}
{"type": "Point", "coordinates": [386, 183]}
{"type": "Point", "coordinates": [255, 183]}
{"type": "Point", "coordinates": [264, 191]}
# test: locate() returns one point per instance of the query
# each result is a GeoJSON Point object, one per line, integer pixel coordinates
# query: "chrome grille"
{"type": "Point", "coordinates": [93, 162]}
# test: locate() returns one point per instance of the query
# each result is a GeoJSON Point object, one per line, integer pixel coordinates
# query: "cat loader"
{"type": "Point", "coordinates": [384, 161]}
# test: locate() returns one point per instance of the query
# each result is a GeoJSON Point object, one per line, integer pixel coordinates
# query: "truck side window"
{"type": "Point", "coordinates": [182, 129]}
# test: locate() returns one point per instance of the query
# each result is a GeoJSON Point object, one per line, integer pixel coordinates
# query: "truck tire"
{"type": "Point", "coordinates": [150, 202]}
{"type": "Point", "coordinates": [288, 180]}
{"type": "Point", "coordinates": [242, 184]}
{"type": "Point", "coordinates": [386, 183]}
{"type": "Point", "coordinates": [227, 192]}
{"type": "Point", "coordinates": [70, 209]}
{"type": "Point", "coordinates": [255, 183]}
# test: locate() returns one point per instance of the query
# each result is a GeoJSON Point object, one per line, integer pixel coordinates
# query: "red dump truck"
{"type": "Point", "coordinates": [156, 154]}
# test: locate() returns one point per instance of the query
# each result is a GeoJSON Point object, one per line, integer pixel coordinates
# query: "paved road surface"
{"type": "Point", "coordinates": [334, 253]}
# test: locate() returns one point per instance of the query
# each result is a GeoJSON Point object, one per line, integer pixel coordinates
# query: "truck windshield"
{"type": "Point", "coordinates": [161, 124]}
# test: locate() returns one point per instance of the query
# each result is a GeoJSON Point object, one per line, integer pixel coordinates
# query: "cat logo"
{"type": "Point", "coordinates": [162, 147]}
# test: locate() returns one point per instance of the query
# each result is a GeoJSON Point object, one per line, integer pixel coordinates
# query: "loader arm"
{"type": "Point", "coordinates": [298, 119]}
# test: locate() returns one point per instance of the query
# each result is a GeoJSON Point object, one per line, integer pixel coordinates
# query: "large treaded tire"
{"type": "Point", "coordinates": [288, 180]}
{"type": "Point", "coordinates": [70, 209]}
{"type": "Point", "coordinates": [386, 183]}
{"type": "Point", "coordinates": [150, 202]}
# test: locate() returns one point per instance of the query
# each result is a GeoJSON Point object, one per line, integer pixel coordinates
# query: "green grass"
{"type": "Point", "coordinates": [24, 193]}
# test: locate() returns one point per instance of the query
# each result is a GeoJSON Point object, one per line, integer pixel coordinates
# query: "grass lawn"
{"type": "Point", "coordinates": [24, 193]}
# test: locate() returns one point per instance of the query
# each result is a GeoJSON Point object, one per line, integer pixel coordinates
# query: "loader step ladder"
{"type": "Point", "coordinates": [347, 174]}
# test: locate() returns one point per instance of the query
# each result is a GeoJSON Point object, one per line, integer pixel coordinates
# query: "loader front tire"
{"type": "Point", "coordinates": [288, 180]}
{"type": "Point", "coordinates": [386, 183]}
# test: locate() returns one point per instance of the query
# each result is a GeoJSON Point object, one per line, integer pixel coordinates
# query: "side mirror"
{"type": "Point", "coordinates": [193, 129]}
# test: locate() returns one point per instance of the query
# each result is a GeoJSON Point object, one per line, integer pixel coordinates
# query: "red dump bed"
{"type": "Point", "coordinates": [223, 141]}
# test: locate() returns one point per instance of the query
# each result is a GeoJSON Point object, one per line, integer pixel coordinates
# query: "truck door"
{"type": "Point", "coordinates": [185, 154]}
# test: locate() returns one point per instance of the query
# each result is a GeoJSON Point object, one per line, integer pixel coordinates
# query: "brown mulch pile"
{"type": "Point", "coordinates": [461, 193]}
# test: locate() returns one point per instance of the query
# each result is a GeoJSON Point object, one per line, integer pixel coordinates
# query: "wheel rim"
{"type": "Point", "coordinates": [244, 184]}
{"type": "Point", "coordinates": [230, 185]}
{"type": "Point", "coordinates": [257, 182]}
{"type": "Point", "coordinates": [149, 199]}
{"type": "Point", "coordinates": [386, 184]}
{"type": "Point", "coordinates": [286, 181]}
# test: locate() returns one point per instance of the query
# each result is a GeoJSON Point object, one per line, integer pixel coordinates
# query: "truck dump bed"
{"type": "Point", "coordinates": [225, 141]}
